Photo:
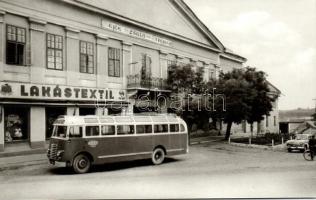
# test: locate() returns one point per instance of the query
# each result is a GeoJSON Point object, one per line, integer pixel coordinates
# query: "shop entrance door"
{"type": "Point", "coordinates": [51, 115]}
{"type": "Point", "coordinates": [86, 111]}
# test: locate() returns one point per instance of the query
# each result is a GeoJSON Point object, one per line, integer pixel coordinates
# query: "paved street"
{"type": "Point", "coordinates": [209, 170]}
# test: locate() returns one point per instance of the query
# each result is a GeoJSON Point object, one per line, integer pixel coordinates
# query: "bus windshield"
{"type": "Point", "coordinates": [60, 131]}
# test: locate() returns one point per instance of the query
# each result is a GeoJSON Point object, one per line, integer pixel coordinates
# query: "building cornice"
{"type": "Point", "coordinates": [233, 57]}
{"type": "Point", "coordinates": [37, 21]}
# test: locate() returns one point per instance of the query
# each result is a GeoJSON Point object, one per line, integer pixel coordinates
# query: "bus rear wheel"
{"type": "Point", "coordinates": [81, 164]}
{"type": "Point", "coordinates": [158, 156]}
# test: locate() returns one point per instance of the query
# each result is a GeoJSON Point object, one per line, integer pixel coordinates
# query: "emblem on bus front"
{"type": "Point", "coordinates": [93, 143]}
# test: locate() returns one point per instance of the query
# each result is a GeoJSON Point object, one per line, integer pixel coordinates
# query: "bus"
{"type": "Point", "coordinates": [80, 141]}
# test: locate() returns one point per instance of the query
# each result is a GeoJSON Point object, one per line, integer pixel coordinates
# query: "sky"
{"type": "Point", "coordinates": [276, 36]}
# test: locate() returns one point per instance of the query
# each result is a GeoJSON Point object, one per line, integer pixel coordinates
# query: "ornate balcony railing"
{"type": "Point", "coordinates": [135, 81]}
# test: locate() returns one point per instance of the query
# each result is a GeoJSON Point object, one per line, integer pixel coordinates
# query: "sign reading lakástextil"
{"type": "Point", "coordinates": [58, 92]}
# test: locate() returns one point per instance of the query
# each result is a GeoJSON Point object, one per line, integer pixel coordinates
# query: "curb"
{"type": "Point", "coordinates": [256, 146]}
{"type": "Point", "coordinates": [203, 142]}
{"type": "Point", "coordinates": [22, 153]}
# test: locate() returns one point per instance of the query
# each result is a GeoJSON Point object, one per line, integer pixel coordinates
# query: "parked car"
{"type": "Point", "coordinates": [300, 142]}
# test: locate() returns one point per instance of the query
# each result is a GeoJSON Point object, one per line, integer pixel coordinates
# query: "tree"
{"type": "Point", "coordinates": [314, 116]}
{"type": "Point", "coordinates": [181, 79]}
{"type": "Point", "coordinates": [247, 96]}
{"type": "Point", "coordinates": [186, 83]}
{"type": "Point", "coordinates": [262, 103]}
{"type": "Point", "coordinates": [238, 94]}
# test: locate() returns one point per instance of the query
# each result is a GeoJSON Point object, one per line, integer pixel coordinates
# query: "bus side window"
{"type": "Point", "coordinates": [161, 128]}
{"type": "Point", "coordinates": [174, 128]}
{"type": "Point", "coordinates": [107, 130]}
{"type": "Point", "coordinates": [125, 129]}
{"type": "Point", "coordinates": [141, 129]}
{"type": "Point", "coordinates": [92, 131]}
{"type": "Point", "coordinates": [148, 128]}
{"type": "Point", "coordinates": [75, 131]}
{"type": "Point", "coordinates": [182, 129]}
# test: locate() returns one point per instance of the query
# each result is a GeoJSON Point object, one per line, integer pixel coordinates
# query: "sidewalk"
{"type": "Point", "coordinates": [21, 155]}
{"type": "Point", "coordinates": [22, 149]}
{"type": "Point", "coordinates": [14, 162]}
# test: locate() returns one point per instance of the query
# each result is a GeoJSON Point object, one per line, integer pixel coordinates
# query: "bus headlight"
{"type": "Point", "coordinates": [60, 153]}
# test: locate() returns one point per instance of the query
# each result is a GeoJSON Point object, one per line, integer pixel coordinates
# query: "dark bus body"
{"type": "Point", "coordinates": [80, 141]}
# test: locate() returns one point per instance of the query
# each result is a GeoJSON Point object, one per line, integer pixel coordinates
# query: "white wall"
{"type": "Point", "coordinates": [37, 127]}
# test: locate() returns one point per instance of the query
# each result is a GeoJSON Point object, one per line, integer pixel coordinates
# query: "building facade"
{"type": "Point", "coordinates": [80, 57]}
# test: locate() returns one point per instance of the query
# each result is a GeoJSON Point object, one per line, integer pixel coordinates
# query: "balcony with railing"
{"type": "Point", "coordinates": [149, 83]}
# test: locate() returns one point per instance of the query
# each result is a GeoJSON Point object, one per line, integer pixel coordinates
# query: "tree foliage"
{"type": "Point", "coordinates": [262, 102]}
{"type": "Point", "coordinates": [247, 96]}
{"type": "Point", "coordinates": [181, 79]}
{"type": "Point", "coordinates": [185, 83]}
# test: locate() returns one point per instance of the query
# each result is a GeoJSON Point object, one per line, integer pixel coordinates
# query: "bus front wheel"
{"type": "Point", "coordinates": [81, 164]}
{"type": "Point", "coordinates": [158, 156]}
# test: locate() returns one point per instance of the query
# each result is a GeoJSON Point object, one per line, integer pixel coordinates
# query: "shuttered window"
{"type": "Point", "coordinates": [114, 62]}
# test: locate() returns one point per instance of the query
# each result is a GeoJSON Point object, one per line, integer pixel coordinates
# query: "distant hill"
{"type": "Point", "coordinates": [299, 114]}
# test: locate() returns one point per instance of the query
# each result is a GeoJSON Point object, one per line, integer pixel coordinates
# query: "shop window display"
{"type": "Point", "coordinates": [16, 124]}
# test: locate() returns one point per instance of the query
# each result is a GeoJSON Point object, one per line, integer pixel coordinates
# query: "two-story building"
{"type": "Point", "coordinates": [82, 57]}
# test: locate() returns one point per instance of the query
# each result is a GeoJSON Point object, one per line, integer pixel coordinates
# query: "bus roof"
{"type": "Point", "coordinates": [93, 119]}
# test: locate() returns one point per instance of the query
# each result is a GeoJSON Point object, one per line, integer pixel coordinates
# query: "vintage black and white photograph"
{"type": "Point", "coordinates": [157, 99]}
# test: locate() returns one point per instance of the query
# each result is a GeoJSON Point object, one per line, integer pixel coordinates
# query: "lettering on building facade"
{"type": "Point", "coordinates": [58, 92]}
{"type": "Point", "coordinates": [134, 33]}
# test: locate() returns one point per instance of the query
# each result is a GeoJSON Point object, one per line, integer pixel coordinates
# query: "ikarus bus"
{"type": "Point", "coordinates": [80, 141]}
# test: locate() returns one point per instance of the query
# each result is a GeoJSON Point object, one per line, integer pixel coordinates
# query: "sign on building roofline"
{"type": "Point", "coordinates": [58, 92]}
{"type": "Point", "coordinates": [134, 33]}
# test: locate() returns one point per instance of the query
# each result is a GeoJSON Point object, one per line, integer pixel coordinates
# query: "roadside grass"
{"type": "Point", "coordinates": [201, 133]}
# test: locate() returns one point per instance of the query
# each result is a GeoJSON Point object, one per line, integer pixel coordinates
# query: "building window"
{"type": "Point", "coordinates": [267, 121]}
{"type": "Point", "coordinates": [16, 39]}
{"type": "Point", "coordinates": [146, 67]}
{"type": "Point", "coordinates": [212, 74]}
{"type": "Point", "coordinates": [171, 63]}
{"type": "Point", "coordinates": [274, 121]}
{"type": "Point", "coordinates": [86, 57]}
{"type": "Point", "coordinates": [54, 56]}
{"type": "Point", "coordinates": [114, 62]}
